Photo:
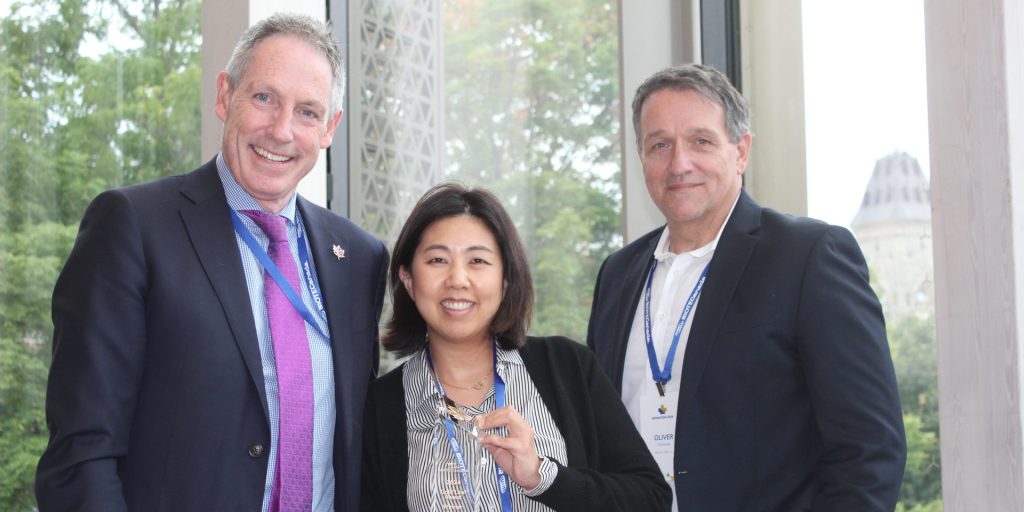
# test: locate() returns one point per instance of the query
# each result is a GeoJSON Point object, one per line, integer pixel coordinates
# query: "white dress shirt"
{"type": "Point", "coordinates": [675, 277]}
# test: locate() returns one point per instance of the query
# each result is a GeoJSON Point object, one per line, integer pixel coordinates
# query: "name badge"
{"type": "Point", "coordinates": [658, 428]}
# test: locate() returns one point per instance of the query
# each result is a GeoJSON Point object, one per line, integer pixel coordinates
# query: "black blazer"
{"type": "Point", "coordinates": [609, 467]}
{"type": "Point", "coordinates": [788, 397]}
{"type": "Point", "coordinates": [156, 398]}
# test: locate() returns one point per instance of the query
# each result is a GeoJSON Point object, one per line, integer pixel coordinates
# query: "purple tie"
{"type": "Point", "coordinates": [293, 481]}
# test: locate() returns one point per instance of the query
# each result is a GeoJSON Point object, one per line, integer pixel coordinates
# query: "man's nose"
{"type": "Point", "coordinates": [281, 129]}
{"type": "Point", "coordinates": [682, 159]}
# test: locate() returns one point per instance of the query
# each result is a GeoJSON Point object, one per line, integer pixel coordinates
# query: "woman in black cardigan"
{"type": "Point", "coordinates": [482, 417]}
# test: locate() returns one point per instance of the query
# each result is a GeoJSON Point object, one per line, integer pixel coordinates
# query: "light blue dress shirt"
{"type": "Point", "coordinates": [319, 347]}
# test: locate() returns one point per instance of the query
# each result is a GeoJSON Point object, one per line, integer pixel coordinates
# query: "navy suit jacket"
{"type": "Point", "coordinates": [788, 397]}
{"type": "Point", "coordinates": [156, 397]}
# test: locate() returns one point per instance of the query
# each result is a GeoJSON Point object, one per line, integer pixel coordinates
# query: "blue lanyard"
{"type": "Point", "coordinates": [460, 457]}
{"type": "Point", "coordinates": [499, 401]}
{"type": "Point", "coordinates": [663, 376]}
{"type": "Point", "coordinates": [278, 277]}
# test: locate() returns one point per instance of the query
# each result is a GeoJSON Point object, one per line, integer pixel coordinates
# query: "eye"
{"type": "Point", "coordinates": [262, 97]}
{"type": "Point", "coordinates": [309, 113]}
{"type": "Point", "coordinates": [659, 145]}
{"type": "Point", "coordinates": [703, 142]}
{"type": "Point", "coordinates": [479, 261]}
{"type": "Point", "coordinates": [435, 260]}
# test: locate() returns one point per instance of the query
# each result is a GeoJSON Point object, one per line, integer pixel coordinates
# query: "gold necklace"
{"type": "Point", "coordinates": [477, 386]}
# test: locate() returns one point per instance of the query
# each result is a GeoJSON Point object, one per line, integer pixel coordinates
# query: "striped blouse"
{"type": "Point", "coordinates": [435, 482]}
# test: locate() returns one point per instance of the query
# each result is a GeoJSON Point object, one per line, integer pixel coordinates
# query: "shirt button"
{"type": "Point", "coordinates": [256, 450]}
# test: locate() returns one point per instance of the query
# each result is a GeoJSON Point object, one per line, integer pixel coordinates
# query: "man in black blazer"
{"type": "Point", "coordinates": [779, 393]}
{"type": "Point", "coordinates": [163, 393]}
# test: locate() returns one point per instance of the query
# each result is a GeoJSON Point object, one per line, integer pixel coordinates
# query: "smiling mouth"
{"type": "Point", "coordinates": [267, 155]}
{"type": "Point", "coordinates": [683, 185]}
{"type": "Point", "coordinates": [456, 305]}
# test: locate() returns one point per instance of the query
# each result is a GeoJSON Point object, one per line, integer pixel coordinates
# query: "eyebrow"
{"type": "Point", "coordinates": [696, 131]}
{"type": "Point", "coordinates": [445, 248]}
{"type": "Point", "coordinates": [310, 103]}
{"type": "Point", "coordinates": [315, 105]}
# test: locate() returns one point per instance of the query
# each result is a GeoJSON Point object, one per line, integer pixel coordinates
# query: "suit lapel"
{"type": "Point", "coordinates": [331, 277]}
{"type": "Point", "coordinates": [207, 219]}
{"type": "Point", "coordinates": [739, 238]}
{"type": "Point", "coordinates": [635, 278]}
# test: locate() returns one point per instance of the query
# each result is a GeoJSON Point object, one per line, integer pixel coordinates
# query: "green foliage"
{"type": "Point", "coordinates": [78, 114]}
{"type": "Point", "coordinates": [532, 106]}
{"type": "Point", "coordinates": [22, 427]}
{"type": "Point", "coordinates": [932, 506]}
{"type": "Point", "coordinates": [922, 483]}
{"type": "Point", "coordinates": [912, 341]}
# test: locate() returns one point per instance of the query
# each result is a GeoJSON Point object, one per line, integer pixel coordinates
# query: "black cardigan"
{"type": "Point", "coordinates": [609, 466]}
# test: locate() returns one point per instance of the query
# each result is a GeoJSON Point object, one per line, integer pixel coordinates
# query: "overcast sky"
{"type": "Point", "coordinates": [864, 76]}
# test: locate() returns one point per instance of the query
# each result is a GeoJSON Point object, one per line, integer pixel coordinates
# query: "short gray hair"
{"type": "Point", "coordinates": [706, 81]}
{"type": "Point", "coordinates": [306, 28]}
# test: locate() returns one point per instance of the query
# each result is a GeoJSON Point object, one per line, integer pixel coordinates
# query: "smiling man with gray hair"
{"type": "Point", "coordinates": [747, 345]}
{"type": "Point", "coordinates": [214, 332]}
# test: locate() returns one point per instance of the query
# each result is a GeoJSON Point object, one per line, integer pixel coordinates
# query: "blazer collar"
{"type": "Point", "coordinates": [331, 264]}
{"type": "Point", "coordinates": [635, 276]}
{"type": "Point", "coordinates": [334, 276]}
{"type": "Point", "coordinates": [739, 238]}
{"type": "Point", "coordinates": [207, 220]}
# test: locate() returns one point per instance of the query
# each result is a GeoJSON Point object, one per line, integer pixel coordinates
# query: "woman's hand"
{"type": "Point", "coordinates": [515, 453]}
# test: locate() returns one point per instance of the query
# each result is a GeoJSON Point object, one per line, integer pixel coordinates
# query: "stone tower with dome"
{"type": "Point", "coordinates": [893, 227]}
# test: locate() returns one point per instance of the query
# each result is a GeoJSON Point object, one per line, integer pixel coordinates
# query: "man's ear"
{"type": "Point", "coordinates": [328, 135]}
{"type": "Point", "coordinates": [224, 93]}
{"type": "Point", "coordinates": [744, 152]}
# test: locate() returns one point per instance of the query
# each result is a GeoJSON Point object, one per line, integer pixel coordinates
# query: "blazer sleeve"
{"type": "Point", "coordinates": [372, 490]}
{"type": "Point", "coordinates": [845, 359]}
{"type": "Point", "coordinates": [385, 468]}
{"type": "Point", "coordinates": [596, 325]}
{"type": "Point", "coordinates": [617, 471]}
{"type": "Point", "coordinates": [98, 349]}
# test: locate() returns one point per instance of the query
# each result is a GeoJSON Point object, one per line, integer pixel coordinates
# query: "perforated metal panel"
{"type": "Point", "coordinates": [396, 109]}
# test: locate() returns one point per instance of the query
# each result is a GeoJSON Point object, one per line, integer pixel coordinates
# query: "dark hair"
{"type": "Point", "coordinates": [314, 32]}
{"type": "Point", "coordinates": [705, 80]}
{"type": "Point", "coordinates": [406, 331]}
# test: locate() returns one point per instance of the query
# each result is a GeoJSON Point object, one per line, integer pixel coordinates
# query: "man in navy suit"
{"type": "Point", "coordinates": [163, 393]}
{"type": "Point", "coordinates": [748, 345]}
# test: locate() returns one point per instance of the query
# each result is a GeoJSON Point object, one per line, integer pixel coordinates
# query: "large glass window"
{"type": "Point", "coordinates": [531, 95]}
{"type": "Point", "coordinates": [867, 169]}
{"type": "Point", "coordinates": [518, 96]}
{"type": "Point", "coordinates": [94, 94]}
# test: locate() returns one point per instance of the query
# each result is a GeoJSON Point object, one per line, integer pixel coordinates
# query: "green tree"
{"type": "Point", "coordinates": [912, 341]}
{"type": "Point", "coordinates": [532, 113]}
{"type": "Point", "coordinates": [922, 482]}
{"type": "Point", "coordinates": [79, 113]}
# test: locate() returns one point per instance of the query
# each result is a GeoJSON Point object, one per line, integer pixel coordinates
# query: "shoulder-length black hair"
{"type": "Point", "coordinates": [405, 333]}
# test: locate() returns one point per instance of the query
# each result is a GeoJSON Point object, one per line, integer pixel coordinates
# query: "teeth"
{"type": "Point", "coordinates": [269, 156]}
{"type": "Point", "coordinates": [457, 305]}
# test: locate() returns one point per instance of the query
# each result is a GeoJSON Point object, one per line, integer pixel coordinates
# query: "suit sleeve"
{"type": "Point", "coordinates": [372, 489]}
{"type": "Point", "coordinates": [622, 474]}
{"type": "Point", "coordinates": [845, 358]}
{"type": "Point", "coordinates": [98, 350]}
{"type": "Point", "coordinates": [592, 325]}
{"type": "Point", "coordinates": [378, 304]}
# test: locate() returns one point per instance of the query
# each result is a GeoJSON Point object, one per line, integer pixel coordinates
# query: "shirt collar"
{"type": "Point", "coordinates": [423, 379]}
{"type": "Point", "coordinates": [239, 199]}
{"type": "Point", "coordinates": [662, 252]}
